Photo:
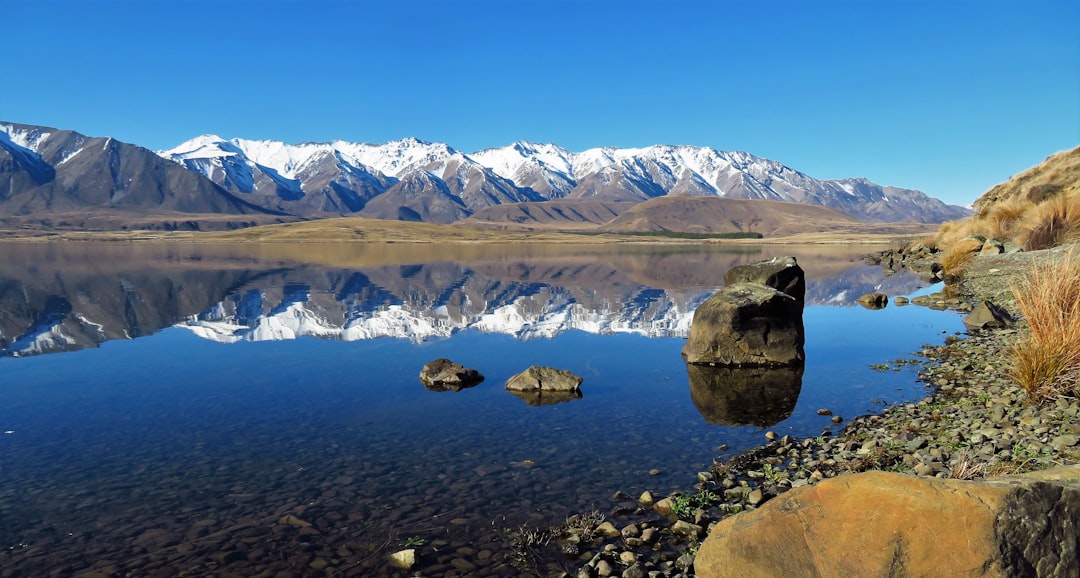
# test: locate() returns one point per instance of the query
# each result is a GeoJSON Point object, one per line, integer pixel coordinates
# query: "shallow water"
{"type": "Point", "coordinates": [167, 407]}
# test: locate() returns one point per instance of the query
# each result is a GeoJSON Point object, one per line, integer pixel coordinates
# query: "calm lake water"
{"type": "Point", "coordinates": [189, 410]}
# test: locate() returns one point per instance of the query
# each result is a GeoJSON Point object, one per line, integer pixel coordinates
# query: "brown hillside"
{"type": "Point", "coordinates": [711, 215]}
{"type": "Point", "coordinates": [1036, 209]}
{"type": "Point", "coordinates": [1058, 174]}
{"type": "Point", "coordinates": [558, 214]}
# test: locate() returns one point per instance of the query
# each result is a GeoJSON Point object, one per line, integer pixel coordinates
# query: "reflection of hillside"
{"type": "Point", "coordinates": [64, 297]}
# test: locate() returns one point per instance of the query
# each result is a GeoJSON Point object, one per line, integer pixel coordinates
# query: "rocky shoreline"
{"type": "Point", "coordinates": [973, 423]}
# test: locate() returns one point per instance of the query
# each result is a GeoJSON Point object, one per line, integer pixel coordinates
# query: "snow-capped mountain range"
{"type": "Point", "coordinates": [413, 179]}
{"type": "Point", "coordinates": [45, 170]}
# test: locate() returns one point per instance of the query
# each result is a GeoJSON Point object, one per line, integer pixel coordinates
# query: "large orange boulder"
{"type": "Point", "coordinates": [886, 524]}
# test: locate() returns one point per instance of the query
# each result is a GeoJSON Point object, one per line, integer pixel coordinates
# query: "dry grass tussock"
{"type": "Point", "coordinates": [1036, 209]}
{"type": "Point", "coordinates": [1051, 223]}
{"type": "Point", "coordinates": [957, 256]}
{"type": "Point", "coordinates": [1046, 361]}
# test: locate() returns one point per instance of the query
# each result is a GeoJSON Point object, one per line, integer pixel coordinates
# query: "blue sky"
{"type": "Point", "coordinates": [943, 96]}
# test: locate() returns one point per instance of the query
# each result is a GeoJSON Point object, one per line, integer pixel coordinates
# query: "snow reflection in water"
{"type": "Point", "coordinates": [173, 453]}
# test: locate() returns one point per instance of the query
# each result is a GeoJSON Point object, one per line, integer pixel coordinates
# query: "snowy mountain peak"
{"type": "Point", "coordinates": [524, 171]}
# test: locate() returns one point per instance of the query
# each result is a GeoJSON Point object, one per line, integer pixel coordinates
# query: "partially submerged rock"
{"type": "Point", "coordinates": [402, 558]}
{"type": "Point", "coordinates": [887, 524]}
{"type": "Point", "coordinates": [445, 375]}
{"type": "Point", "coordinates": [874, 300]}
{"type": "Point", "coordinates": [546, 379]}
{"type": "Point", "coordinates": [747, 324]}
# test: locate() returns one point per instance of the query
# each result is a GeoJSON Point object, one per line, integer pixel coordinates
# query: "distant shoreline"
{"type": "Point", "coordinates": [357, 230]}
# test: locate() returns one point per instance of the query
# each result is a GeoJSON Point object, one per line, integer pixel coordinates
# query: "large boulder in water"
{"type": "Point", "coordinates": [747, 325]}
{"type": "Point", "coordinates": [539, 378]}
{"type": "Point", "coordinates": [780, 273]}
{"type": "Point", "coordinates": [887, 524]}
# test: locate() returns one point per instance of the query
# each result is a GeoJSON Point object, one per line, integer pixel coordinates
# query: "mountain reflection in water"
{"type": "Point", "coordinates": [63, 298]}
{"type": "Point", "coordinates": [166, 453]}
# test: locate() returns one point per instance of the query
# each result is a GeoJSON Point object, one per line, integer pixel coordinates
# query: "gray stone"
{"type": "Point", "coordinates": [684, 528]}
{"type": "Point", "coordinates": [987, 315]}
{"type": "Point", "coordinates": [780, 273]}
{"type": "Point", "coordinates": [544, 379]}
{"type": "Point", "coordinates": [747, 325]}
{"type": "Point", "coordinates": [1065, 441]}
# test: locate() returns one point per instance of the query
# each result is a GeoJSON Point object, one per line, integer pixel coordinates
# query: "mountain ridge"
{"type": "Point", "coordinates": [44, 169]}
{"type": "Point", "coordinates": [530, 172]}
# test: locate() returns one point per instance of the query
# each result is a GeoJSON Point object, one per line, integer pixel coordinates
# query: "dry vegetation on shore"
{"type": "Point", "coordinates": [1046, 362]}
{"type": "Point", "coordinates": [1037, 209]}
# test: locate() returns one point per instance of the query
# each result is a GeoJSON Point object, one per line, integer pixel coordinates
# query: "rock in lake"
{"type": "Point", "coordinates": [780, 273]}
{"type": "Point", "coordinates": [402, 558]}
{"type": "Point", "coordinates": [544, 379]}
{"type": "Point", "coordinates": [445, 375]}
{"type": "Point", "coordinates": [747, 325]}
{"type": "Point", "coordinates": [874, 300]}
{"type": "Point", "coordinates": [887, 524]}
{"type": "Point", "coordinates": [987, 315]}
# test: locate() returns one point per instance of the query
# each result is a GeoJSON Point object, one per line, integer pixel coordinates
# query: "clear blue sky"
{"type": "Point", "coordinates": [943, 96]}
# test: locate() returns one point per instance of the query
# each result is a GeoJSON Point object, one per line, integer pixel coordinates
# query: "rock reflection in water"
{"type": "Point", "coordinates": [759, 396]}
{"type": "Point", "coordinates": [540, 397]}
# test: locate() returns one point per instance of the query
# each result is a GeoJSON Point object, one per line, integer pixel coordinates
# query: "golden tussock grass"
{"type": "Point", "coordinates": [1046, 361]}
{"type": "Point", "coordinates": [1051, 223]}
{"type": "Point", "coordinates": [957, 256]}
{"type": "Point", "coordinates": [1002, 220]}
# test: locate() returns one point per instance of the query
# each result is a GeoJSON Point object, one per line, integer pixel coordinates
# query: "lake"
{"type": "Point", "coordinates": [173, 410]}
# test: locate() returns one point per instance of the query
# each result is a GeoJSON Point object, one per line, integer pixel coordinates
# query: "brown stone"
{"type": "Point", "coordinates": [874, 300]}
{"type": "Point", "coordinates": [887, 524]}
{"type": "Point", "coordinates": [544, 379]}
{"type": "Point", "coordinates": [445, 375]}
{"type": "Point", "coordinates": [747, 325]}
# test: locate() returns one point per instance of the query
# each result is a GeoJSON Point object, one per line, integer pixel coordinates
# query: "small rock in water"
{"type": "Point", "coordinates": [403, 558]}
{"type": "Point", "coordinates": [770, 435]}
{"type": "Point", "coordinates": [646, 499]}
{"type": "Point", "coordinates": [824, 412]}
{"type": "Point", "coordinates": [291, 520]}
{"type": "Point", "coordinates": [654, 472]}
